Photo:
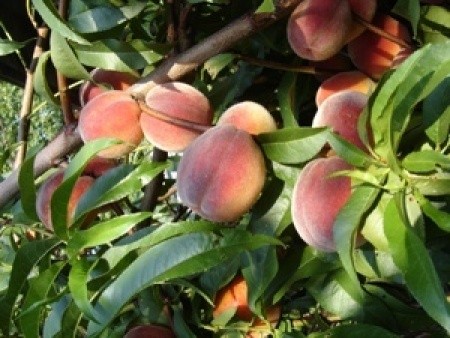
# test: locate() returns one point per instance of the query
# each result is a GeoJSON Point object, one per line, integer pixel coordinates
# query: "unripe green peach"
{"type": "Point", "coordinates": [112, 114]}
{"type": "Point", "coordinates": [317, 199]}
{"type": "Point", "coordinates": [341, 112]}
{"type": "Point", "coordinates": [353, 80]}
{"type": "Point", "coordinates": [221, 174]}
{"type": "Point", "coordinates": [46, 191]}
{"type": "Point", "coordinates": [150, 331]}
{"type": "Point", "coordinates": [317, 30]}
{"type": "Point", "coordinates": [180, 101]}
{"type": "Point", "coordinates": [103, 80]}
{"type": "Point", "coordinates": [250, 117]}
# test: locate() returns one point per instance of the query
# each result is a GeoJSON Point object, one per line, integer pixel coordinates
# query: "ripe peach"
{"type": "Point", "coordinates": [353, 80]}
{"type": "Point", "coordinates": [46, 191]}
{"type": "Point", "coordinates": [373, 54]}
{"type": "Point", "coordinates": [341, 112]}
{"type": "Point", "coordinates": [113, 114]}
{"type": "Point", "coordinates": [150, 331]}
{"type": "Point", "coordinates": [233, 295]}
{"type": "Point", "coordinates": [178, 100]}
{"type": "Point", "coordinates": [97, 166]}
{"type": "Point", "coordinates": [221, 174]}
{"type": "Point", "coordinates": [250, 117]}
{"type": "Point", "coordinates": [317, 200]}
{"type": "Point", "coordinates": [103, 80]}
{"type": "Point", "coordinates": [261, 328]}
{"type": "Point", "coordinates": [317, 30]}
{"type": "Point", "coordinates": [365, 10]}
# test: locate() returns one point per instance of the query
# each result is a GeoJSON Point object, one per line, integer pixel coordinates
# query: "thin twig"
{"type": "Point", "coordinates": [371, 27]}
{"type": "Point", "coordinates": [27, 99]}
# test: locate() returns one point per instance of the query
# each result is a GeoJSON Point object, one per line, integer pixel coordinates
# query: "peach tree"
{"type": "Point", "coordinates": [264, 168]}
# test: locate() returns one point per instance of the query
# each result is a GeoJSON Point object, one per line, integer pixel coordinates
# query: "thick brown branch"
{"type": "Point", "coordinates": [172, 69]}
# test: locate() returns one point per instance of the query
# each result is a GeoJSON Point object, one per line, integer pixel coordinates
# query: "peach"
{"type": "Point", "coordinates": [317, 199]}
{"type": "Point", "coordinates": [263, 328]}
{"type": "Point", "coordinates": [353, 80]}
{"type": "Point", "coordinates": [233, 295]}
{"type": "Point", "coordinates": [112, 114]}
{"type": "Point", "coordinates": [221, 174]}
{"type": "Point", "coordinates": [46, 191]}
{"type": "Point", "coordinates": [317, 30]}
{"type": "Point", "coordinates": [150, 331]}
{"type": "Point", "coordinates": [250, 117]}
{"type": "Point", "coordinates": [341, 112]}
{"type": "Point", "coordinates": [365, 10]}
{"type": "Point", "coordinates": [373, 54]}
{"type": "Point", "coordinates": [103, 80]}
{"type": "Point", "coordinates": [180, 101]}
{"type": "Point", "coordinates": [97, 166]}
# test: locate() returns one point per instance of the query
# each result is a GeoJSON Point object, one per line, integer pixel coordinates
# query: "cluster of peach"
{"type": "Point", "coordinates": [318, 31]}
{"type": "Point", "coordinates": [222, 170]}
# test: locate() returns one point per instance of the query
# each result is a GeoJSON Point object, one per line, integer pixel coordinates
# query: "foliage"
{"type": "Point", "coordinates": [165, 266]}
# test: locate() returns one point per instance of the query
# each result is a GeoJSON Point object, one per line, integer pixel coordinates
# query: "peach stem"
{"type": "Point", "coordinates": [280, 66]}
{"type": "Point", "coordinates": [171, 119]}
{"type": "Point", "coordinates": [381, 32]}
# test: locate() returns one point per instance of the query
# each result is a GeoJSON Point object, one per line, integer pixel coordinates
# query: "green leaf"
{"type": "Point", "coordinates": [393, 101]}
{"type": "Point", "coordinates": [441, 218]}
{"type": "Point", "coordinates": [413, 259]}
{"type": "Point", "coordinates": [52, 324]}
{"type": "Point", "coordinates": [27, 188]}
{"type": "Point", "coordinates": [104, 232]}
{"type": "Point", "coordinates": [39, 288]}
{"type": "Point", "coordinates": [50, 15]}
{"type": "Point", "coordinates": [267, 6]}
{"type": "Point", "coordinates": [120, 55]}
{"type": "Point", "coordinates": [349, 152]}
{"type": "Point", "coordinates": [436, 113]}
{"type": "Point", "coordinates": [78, 285]}
{"type": "Point", "coordinates": [64, 58]}
{"type": "Point", "coordinates": [346, 225]}
{"type": "Point", "coordinates": [286, 95]}
{"type": "Point", "coordinates": [217, 63]}
{"type": "Point", "coordinates": [97, 19]}
{"type": "Point", "coordinates": [293, 145]}
{"type": "Point", "coordinates": [425, 161]}
{"type": "Point", "coordinates": [8, 46]}
{"type": "Point", "coordinates": [195, 253]}
{"type": "Point", "coordinates": [410, 10]}
{"type": "Point", "coordinates": [41, 86]}
{"type": "Point", "coordinates": [434, 24]}
{"type": "Point", "coordinates": [60, 198]}
{"type": "Point", "coordinates": [27, 257]}
{"type": "Point", "coordinates": [432, 185]}
{"type": "Point", "coordinates": [117, 184]}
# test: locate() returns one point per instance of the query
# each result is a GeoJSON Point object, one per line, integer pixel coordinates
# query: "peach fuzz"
{"type": "Point", "coordinates": [150, 331]}
{"type": "Point", "coordinates": [341, 112]}
{"type": "Point", "coordinates": [353, 80]}
{"type": "Point", "coordinates": [103, 80]}
{"type": "Point", "coordinates": [373, 54]}
{"type": "Point", "coordinates": [317, 199]}
{"type": "Point", "coordinates": [233, 295]}
{"type": "Point", "coordinates": [250, 117]}
{"type": "Point", "coordinates": [112, 114]}
{"type": "Point", "coordinates": [317, 30]}
{"type": "Point", "coordinates": [221, 174]}
{"type": "Point", "coordinates": [47, 189]}
{"type": "Point", "coordinates": [180, 101]}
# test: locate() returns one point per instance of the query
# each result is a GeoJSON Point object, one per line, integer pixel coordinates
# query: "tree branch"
{"type": "Point", "coordinates": [172, 69]}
